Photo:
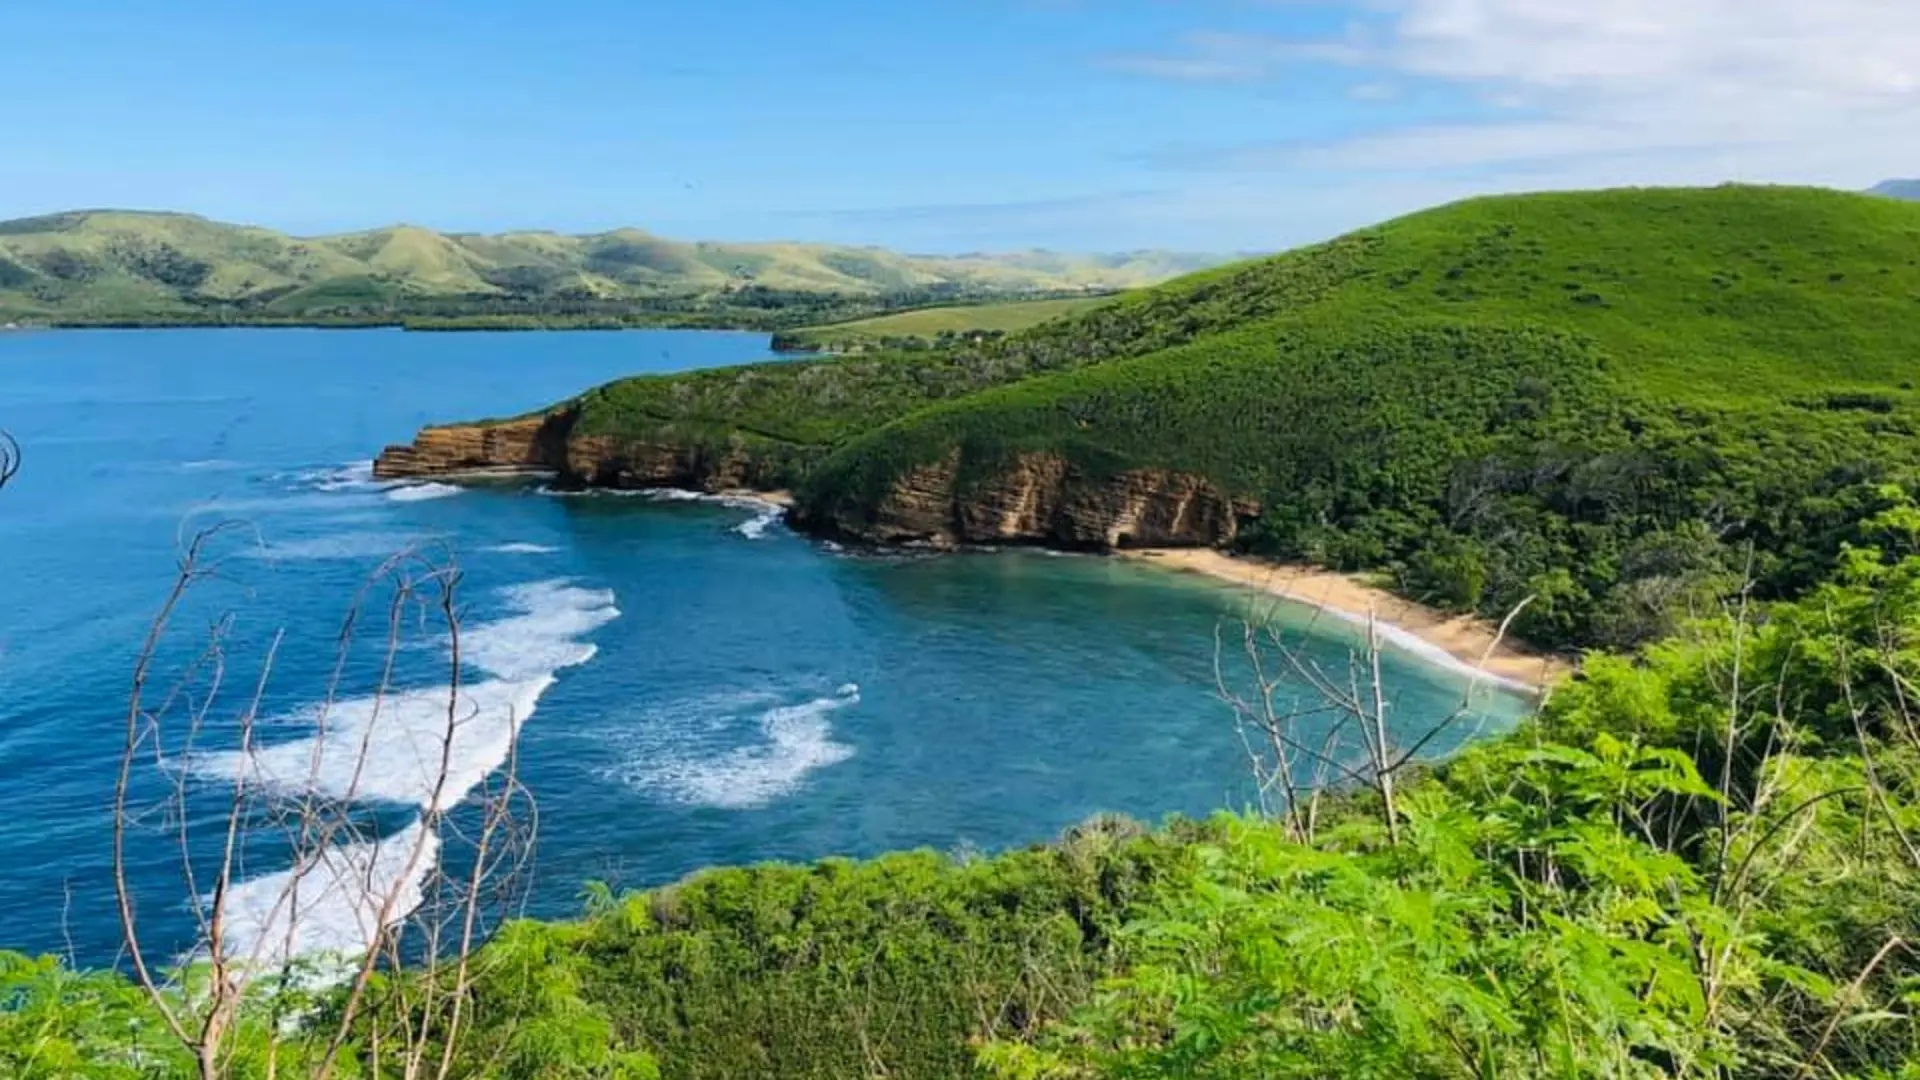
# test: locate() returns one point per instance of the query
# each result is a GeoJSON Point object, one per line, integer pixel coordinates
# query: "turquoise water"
{"type": "Point", "coordinates": [692, 683]}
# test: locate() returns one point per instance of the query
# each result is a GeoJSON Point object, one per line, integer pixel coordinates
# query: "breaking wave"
{"type": "Point", "coordinates": [795, 740]}
{"type": "Point", "coordinates": [406, 493]}
{"type": "Point", "coordinates": [424, 747]}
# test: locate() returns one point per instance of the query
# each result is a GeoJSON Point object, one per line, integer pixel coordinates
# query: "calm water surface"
{"type": "Point", "coordinates": [697, 684]}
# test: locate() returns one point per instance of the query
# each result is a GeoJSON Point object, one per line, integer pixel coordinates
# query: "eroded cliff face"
{"type": "Point", "coordinates": [1035, 499]}
{"type": "Point", "coordinates": [549, 443]}
{"type": "Point", "coordinates": [530, 444]}
{"type": "Point", "coordinates": [1041, 499]}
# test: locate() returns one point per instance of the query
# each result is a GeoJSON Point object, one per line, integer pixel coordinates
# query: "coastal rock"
{"type": "Point", "coordinates": [1042, 499]}
{"type": "Point", "coordinates": [549, 443]}
{"type": "Point", "coordinates": [1035, 498]}
{"type": "Point", "coordinates": [528, 444]}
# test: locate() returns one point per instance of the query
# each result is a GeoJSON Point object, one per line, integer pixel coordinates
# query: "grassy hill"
{"type": "Point", "coordinates": [1602, 400]}
{"type": "Point", "coordinates": [929, 327]}
{"type": "Point", "coordinates": [119, 265]}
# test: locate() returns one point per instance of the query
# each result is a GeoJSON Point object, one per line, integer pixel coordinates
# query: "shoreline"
{"type": "Point", "coordinates": [1465, 643]}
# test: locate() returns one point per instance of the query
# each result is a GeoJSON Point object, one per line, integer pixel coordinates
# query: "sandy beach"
{"type": "Point", "coordinates": [782, 499]}
{"type": "Point", "coordinates": [1465, 642]}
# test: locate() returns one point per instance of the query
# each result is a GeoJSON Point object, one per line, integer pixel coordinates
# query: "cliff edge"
{"type": "Point", "coordinates": [1032, 499]}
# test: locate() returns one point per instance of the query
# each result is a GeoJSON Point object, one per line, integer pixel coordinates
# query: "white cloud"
{"type": "Point", "coordinates": [1824, 91]}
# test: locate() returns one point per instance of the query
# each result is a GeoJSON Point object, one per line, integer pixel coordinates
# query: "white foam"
{"type": "Point", "coordinates": [756, 527]}
{"type": "Point", "coordinates": [427, 747]}
{"type": "Point", "coordinates": [210, 465]}
{"type": "Point", "coordinates": [519, 547]}
{"type": "Point", "coordinates": [795, 741]}
{"type": "Point", "coordinates": [355, 545]}
{"type": "Point", "coordinates": [766, 513]}
{"type": "Point", "coordinates": [407, 493]}
{"type": "Point", "coordinates": [332, 904]}
{"type": "Point", "coordinates": [542, 636]}
{"type": "Point", "coordinates": [353, 476]}
{"type": "Point", "coordinates": [1413, 644]}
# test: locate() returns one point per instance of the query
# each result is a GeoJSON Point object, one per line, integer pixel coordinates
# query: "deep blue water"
{"type": "Point", "coordinates": [710, 688]}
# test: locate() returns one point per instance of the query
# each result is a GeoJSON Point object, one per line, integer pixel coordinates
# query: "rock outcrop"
{"type": "Point", "coordinates": [529, 444]}
{"type": "Point", "coordinates": [1041, 499]}
{"type": "Point", "coordinates": [1036, 498]}
{"type": "Point", "coordinates": [549, 443]}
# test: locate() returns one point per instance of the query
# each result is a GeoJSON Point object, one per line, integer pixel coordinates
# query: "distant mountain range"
{"type": "Point", "coordinates": [1899, 189]}
{"type": "Point", "coordinates": [113, 264]}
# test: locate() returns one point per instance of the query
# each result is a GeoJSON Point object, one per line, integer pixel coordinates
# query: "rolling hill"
{"type": "Point", "coordinates": [1898, 189]}
{"type": "Point", "coordinates": [110, 265]}
{"type": "Point", "coordinates": [1612, 402]}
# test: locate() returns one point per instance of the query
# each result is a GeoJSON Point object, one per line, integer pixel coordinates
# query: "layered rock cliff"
{"type": "Point", "coordinates": [1037, 499]}
{"type": "Point", "coordinates": [551, 443]}
{"type": "Point", "coordinates": [1034, 499]}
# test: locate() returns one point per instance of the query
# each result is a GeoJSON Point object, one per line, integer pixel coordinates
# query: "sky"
{"type": "Point", "coordinates": [936, 125]}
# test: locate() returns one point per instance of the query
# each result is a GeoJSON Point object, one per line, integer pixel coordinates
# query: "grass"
{"type": "Point", "coordinates": [927, 326]}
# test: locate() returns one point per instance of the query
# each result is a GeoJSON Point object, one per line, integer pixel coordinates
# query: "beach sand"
{"type": "Point", "coordinates": [1466, 642]}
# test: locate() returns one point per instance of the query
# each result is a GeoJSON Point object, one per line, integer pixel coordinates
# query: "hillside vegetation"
{"type": "Point", "coordinates": [1608, 401]}
{"type": "Point", "coordinates": [106, 266]}
{"type": "Point", "coordinates": [931, 328]}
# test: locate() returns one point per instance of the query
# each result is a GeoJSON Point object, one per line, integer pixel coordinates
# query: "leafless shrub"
{"type": "Point", "coordinates": [1306, 728]}
{"type": "Point", "coordinates": [303, 945]}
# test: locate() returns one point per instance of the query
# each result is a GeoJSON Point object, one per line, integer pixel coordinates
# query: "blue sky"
{"type": "Point", "coordinates": [949, 125]}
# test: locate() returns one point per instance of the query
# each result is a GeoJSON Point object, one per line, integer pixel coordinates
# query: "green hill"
{"type": "Point", "coordinates": [109, 265]}
{"type": "Point", "coordinates": [1602, 400]}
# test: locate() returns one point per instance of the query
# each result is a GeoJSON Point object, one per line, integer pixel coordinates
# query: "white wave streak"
{"type": "Point", "coordinates": [332, 904]}
{"type": "Point", "coordinates": [520, 547]}
{"type": "Point", "coordinates": [358, 545]}
{"type": "Point", "coordinates": [795, 741]}
{"type": "Point", "coordinates": [757, 526]}
{"type": "Point", "coordinates": [427, 747]}
{"type": "Point", "coordinates": [766, 514]}
{"type": "Point", "coordinates": [353, 476]}
{"type": "Point", "coordinates": [407, 493]}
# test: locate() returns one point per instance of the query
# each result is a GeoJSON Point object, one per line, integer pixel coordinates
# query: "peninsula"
{"type": "Point", "coordinates": [1612, 402]}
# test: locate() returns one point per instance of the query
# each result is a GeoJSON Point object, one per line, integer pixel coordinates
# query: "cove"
{"type": "Point", "coordinates": [711, 688]}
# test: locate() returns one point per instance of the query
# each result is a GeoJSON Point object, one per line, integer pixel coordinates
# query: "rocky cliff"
{"type": "Point", "coordinates": [529, 444]}
{"type": "Point", "coordinates": [1035, 499]}
{"type": "Point", "coordinates": [552, 443]}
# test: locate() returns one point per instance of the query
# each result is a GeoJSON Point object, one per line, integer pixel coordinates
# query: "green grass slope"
{"type": "Point", "coordinates": [1600, 400]}
{"type": "Point", "coordinates": [932, 327]}
{"type": "Point", "coordinates": [120, 265]}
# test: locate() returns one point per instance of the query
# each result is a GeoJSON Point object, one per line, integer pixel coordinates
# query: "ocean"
{"type": "Point", "coordinates": [678, 682]}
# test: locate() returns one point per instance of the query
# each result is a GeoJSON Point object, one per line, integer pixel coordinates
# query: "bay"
{"type": "Point", "coordinates": [692, 683]}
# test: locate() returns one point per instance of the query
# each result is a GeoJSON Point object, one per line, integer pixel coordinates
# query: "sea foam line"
{"type": "Point", "coordinates": [406, 493]}
{"type": "Point", "coordinates": [795, 741]}
{"type": "Point", "coordinates": [396, 748]}
{"type": "Point", "coordinates": [331, 905]}
{"type": "Point", "coordinates": [767, 513]}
